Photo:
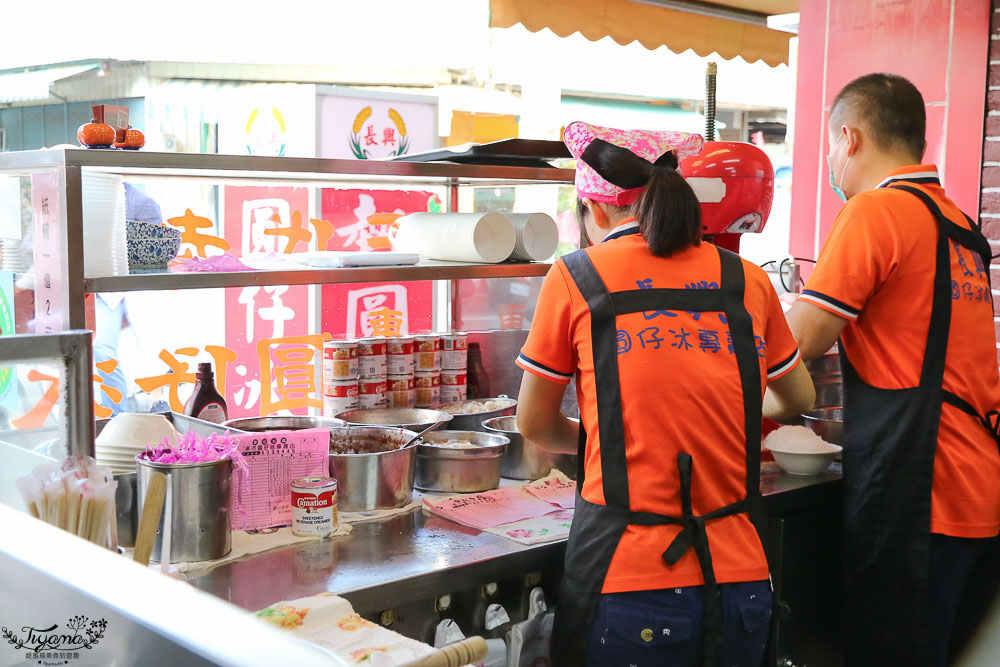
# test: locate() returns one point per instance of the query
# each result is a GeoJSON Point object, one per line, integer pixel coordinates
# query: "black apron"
{"type": "Point", "coordinates": [890, 439]}
{"type": "Point", "coordinates": [597, 529]}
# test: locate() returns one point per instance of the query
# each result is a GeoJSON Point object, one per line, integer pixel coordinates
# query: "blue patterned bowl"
{"type": "Point", "coordinates": [148, 252]}
{"type": "Point", "coordinates": [141, 229]}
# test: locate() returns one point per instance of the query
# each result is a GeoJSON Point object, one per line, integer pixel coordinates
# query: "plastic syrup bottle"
{"type": "Point", "coordinates": [206, 402]}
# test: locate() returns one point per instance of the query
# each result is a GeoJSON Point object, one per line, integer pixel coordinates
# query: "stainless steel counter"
{"type": "Point", "coordinates": [419, 556]}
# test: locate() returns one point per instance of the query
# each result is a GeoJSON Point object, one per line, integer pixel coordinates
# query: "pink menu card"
{"type": "Point", "coordinates": [555, 490]}
{"type": "Point", "coordinates": [492, 508]}
{"type": "Point", "coordinates": [262, 498]}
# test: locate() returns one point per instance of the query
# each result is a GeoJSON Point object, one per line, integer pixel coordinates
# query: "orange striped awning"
{"type": "Point", "coordinates": [626, 21]}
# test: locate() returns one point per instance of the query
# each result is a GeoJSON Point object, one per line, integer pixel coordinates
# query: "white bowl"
{"type": "Point", "coordinates": [806, 463]}
{"type": "Point", "coordinates": [133, 430]}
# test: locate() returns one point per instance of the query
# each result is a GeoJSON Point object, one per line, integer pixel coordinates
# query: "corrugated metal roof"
{"type": "Point", "coordinates": [34, 85]}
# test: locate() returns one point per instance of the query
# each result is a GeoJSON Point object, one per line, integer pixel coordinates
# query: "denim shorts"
{"type": "Point", "coordinates": [663, 627]}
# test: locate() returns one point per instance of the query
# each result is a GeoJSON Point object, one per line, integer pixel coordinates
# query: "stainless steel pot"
{"type": "Point", "coordinates": [825, 368]}
{"type": "Point", "coordinates": [415, 419]}
{"type": "Point", "coordinates": [460, 470]}
{"type": "Point", "coordinates": [379, 478]}
{"type": "Point", "coordinates": [473, 421]}
{"type": "Point", "coordinates": [523, 458]}
{"type": "Point", "coordinates": [283, 423]}
{"type": "Point", "coordinates": [827, 423]}
{"type": "Point", "coordinates": [829, 394]}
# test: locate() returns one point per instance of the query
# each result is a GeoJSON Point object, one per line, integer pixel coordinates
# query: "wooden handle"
{"type": "Point", "coordinates": [152, 507]}
{"type": "Point", "coordinates": [469, 650]}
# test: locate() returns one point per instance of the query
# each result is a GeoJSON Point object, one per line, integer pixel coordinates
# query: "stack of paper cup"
{"type": "Point", "coordinates": [104, 246]}
{"type": "Point", "coordinates": [457, 237]}
{"type": "Point", "coordinates": [536, 236]}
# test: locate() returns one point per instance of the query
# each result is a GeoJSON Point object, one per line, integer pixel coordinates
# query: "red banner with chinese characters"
{"type": "Point", "coordinates": [267, 327]}
{"type": "Point", "coordinates": [361, 220]}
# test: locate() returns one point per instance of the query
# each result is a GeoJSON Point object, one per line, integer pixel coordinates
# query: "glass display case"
{"type": "Point", "coordinates": [258, 315]}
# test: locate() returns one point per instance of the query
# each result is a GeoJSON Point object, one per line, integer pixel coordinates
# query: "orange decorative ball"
{"type": "Point", "coordinates": [96, 135]}
{"type": "Point", "coordinates": [134, 140]}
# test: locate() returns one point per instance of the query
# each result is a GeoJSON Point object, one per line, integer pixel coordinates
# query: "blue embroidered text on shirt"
{"type": "Point", "coordinates": [623, 341]}
{"type": "Point", "coordinates": [708, 340]}
{"type": "Point", "coordinates": [653, 338]}
{"type": "Point", "coordinates": [681, 339]}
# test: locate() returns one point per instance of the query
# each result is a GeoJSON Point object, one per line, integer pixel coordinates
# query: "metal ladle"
{"type": "Point", "coordinates": [418, 435]}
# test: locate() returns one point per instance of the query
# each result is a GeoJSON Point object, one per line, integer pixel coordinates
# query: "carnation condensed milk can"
{"type": "Point", "coordinates": [427, 352]}
{"type": "Point", "coordinates": [371, 357]}
{"type": "Point", "coordinates": [339, 396]}
{"type": "Point", "coordinates": [314, 506]}
{"type": "Point", "coordinates": [399, 355]}
{"type": "Point", "coordinates": [371, 393]}
{"type": "Point", "coordinates": [340, 360]}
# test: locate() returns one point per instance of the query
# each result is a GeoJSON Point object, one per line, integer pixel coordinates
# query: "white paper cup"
{"type": "Point", "coordinates": [536, 236]}
{"type": "Point", "coordinates": [457, 237]}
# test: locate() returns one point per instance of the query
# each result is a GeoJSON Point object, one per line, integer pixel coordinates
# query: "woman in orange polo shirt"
{"type": "Point", "coordinates": [672, 342]}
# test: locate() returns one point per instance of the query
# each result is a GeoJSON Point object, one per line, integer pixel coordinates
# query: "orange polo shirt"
{"type": "Point", "coordinates": [876, 271]}
{"type": "Point", "coordinates": [680, 392]}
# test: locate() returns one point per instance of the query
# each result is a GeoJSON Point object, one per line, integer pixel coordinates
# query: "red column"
{"type": "Point", "coordinates": [940, 45]}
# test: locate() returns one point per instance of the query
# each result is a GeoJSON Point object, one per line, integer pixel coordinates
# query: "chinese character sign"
{"type": "Point", "coordinates": [377, 309]}
{"type": "Point", "coordinates": [372, 128]}
{"type": "Point", "coordinates": [362, 219]}
{"type": "Point", "coordinates": [264, 322]}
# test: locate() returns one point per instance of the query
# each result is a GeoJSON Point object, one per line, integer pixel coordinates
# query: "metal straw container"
{"type": "Point", "coordinates": [199, 495]}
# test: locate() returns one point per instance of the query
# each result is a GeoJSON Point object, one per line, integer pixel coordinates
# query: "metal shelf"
{"type": "Point", "coordinates": [209, 166]}
{"type": "Point", "coordinates": [428, 270]}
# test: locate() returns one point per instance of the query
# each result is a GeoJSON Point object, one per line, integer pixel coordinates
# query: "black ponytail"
{"type": "Point", "coordinates": [667, 211]}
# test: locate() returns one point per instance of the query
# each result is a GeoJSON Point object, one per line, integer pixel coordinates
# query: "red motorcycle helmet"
{"type": "Point", "coordinates": [734, 182]}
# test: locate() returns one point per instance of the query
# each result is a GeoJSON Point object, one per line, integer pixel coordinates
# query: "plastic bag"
{"type": "Point", "coordinates": [528, 641]}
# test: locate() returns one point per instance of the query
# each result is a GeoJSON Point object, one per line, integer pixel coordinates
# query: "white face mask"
{"type": "Point", "coordinates": [838, 189]}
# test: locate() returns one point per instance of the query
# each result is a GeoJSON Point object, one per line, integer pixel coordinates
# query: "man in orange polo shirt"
{"type": "Point", "coordinates": [903, 281]}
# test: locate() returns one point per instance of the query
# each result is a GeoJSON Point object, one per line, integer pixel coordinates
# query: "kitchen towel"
{"type": "Point", "coordinates": [331, 623]}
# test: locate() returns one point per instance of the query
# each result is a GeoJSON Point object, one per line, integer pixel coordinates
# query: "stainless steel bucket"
{"type": "Point", "coordinates": [200, 508]}
{"type": "Point", "coordinates": [460, 470]}
{"type": "Point", "coordinates": [523, 458]}
{"type": "Point", "coordinates": [376, 479]}
{"type": "Point", "coordinates": [473, 421]}
{"type": "Point", "coordinates": [126, 508]}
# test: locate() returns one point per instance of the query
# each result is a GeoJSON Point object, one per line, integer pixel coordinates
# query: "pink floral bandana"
{"type": "Point", "coordinates": [647, 144]}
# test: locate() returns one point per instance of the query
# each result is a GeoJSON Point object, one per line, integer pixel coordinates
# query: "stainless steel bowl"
{"type": "Point", "coordinates": [283, 423]}
{"type": "Point", "coordinates": [381, 477]}
{"type": "Point", "coordinates": [827, 423]}
{"type": "Point", "coordinates": [416, 419]}
{"type": "Point", "coordinates": [523, 458]}
{"type": "Point", "coordinates": [460, 470]}
{"type": "Point", "coordinates": [473, 421]}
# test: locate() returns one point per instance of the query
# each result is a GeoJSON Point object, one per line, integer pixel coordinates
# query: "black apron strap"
{"type": "Point", "coordinates": [932, 374]}
{"type": "Point", "coordinates": [614, 471]}
{"type": "Point", "coordinates": [744, 346]}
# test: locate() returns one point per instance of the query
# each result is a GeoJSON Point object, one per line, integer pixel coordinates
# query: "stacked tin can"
{"type": "Point", "coordinates": [340, 376]}
{"type": "Point", "coordinates": [427, 375]}
{"type": "Point", "coordinates": [354, 375]}
{"type": "Point", "coordinates": [399, 372]}
{"type": "Point", "coordinates": [372, 373]}
{"type": "Point", "coordinates": [454, 361]}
